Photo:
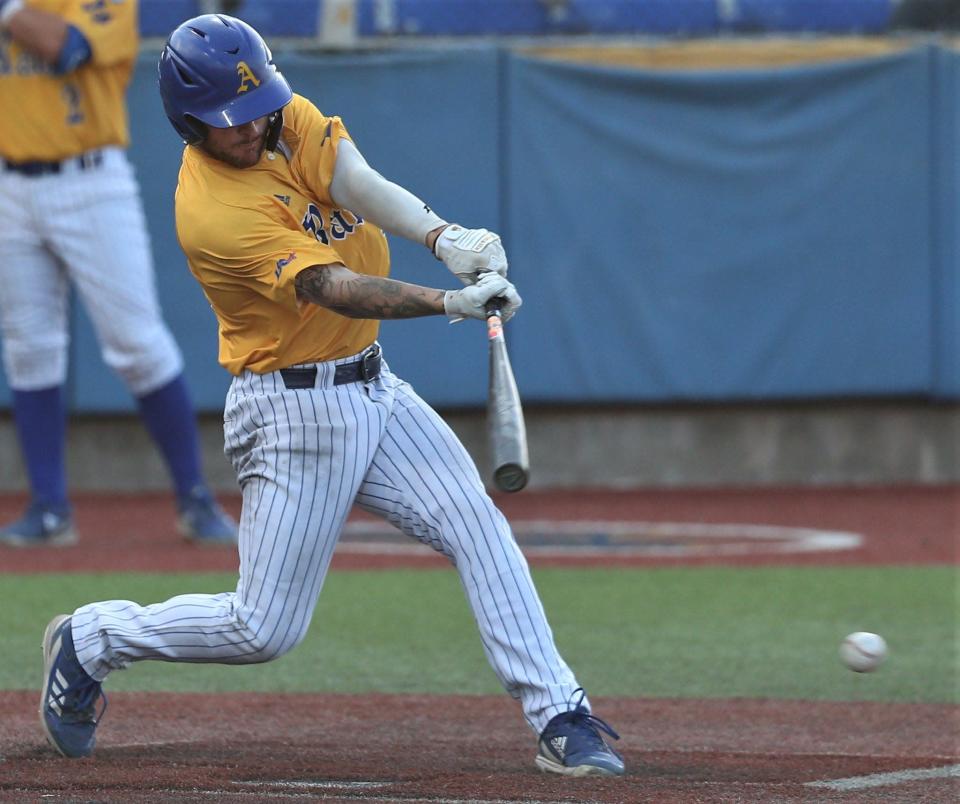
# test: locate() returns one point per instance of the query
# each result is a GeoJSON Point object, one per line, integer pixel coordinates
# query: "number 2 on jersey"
{"type": "Point", "coordinates": [71, 97]}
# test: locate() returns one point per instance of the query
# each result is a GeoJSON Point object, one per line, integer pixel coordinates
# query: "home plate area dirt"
{"type": "Point", "coordinates": [381, 748]}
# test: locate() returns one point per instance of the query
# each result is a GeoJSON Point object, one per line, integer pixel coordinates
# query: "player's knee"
{"type": "Point", "coordinates": [146, 363]}
{"type": "Point", "coordinates": [272, 648]}
{"type": "Point", "coordinates": [270, 641]}
{"type": "Point", "coordinates": [35, 365]}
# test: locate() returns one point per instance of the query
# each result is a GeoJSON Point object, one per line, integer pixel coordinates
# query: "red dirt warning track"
{"type": "Point", "coordinates": [159, 747]}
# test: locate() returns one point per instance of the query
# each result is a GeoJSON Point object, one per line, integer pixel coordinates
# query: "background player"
{"type": "Point", "coordinates": [280, 218]}
{"type": "Point", "coordinates": [70, 212]}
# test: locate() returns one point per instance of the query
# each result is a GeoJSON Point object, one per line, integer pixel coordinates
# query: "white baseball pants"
{"type": "Point", "coordinates": [302, 458]}
{"type": "Point", "coordinates": [83, 227]}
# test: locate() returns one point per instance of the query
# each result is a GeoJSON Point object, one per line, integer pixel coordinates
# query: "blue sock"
{"type": "Point", "coordinates": [170, 419]}
{"type": "Point", "coordinates": [41, 423]}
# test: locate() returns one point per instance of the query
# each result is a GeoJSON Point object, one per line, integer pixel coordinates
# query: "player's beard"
{"type": "Point", "coordinates": [241, 155]}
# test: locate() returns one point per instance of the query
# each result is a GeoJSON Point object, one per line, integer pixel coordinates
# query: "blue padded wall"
{"type": "Point", "coordinates": [743, 234]}
{"type": "Point", "coordinates": [945, 237]}
{"type": "Point", "coordinates": [159, 17]}
{"type": "Point", "coordinates": [747, 234]}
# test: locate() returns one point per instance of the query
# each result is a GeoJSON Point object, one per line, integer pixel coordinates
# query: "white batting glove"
{"type": "Point", "coordinates": [471, 301]}
{"type": "Point", "coordinates": [470, 252]}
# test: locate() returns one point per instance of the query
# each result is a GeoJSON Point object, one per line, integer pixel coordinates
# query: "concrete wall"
{"type": "Point", "coordinates": [860, 443]}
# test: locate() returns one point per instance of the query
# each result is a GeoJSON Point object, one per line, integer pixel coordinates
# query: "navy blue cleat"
{"type": "Point", "coordinates": [203, 521]}
{"type": "Point", "coordinates": [572, 745]}
{"type": "Point", "coordinates": [68, 703]}
{"type": "Point", "coordinates": [41, 525]}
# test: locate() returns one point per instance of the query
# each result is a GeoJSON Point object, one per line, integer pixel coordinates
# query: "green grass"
{"type": "Point", "coordinates": [688, 632]}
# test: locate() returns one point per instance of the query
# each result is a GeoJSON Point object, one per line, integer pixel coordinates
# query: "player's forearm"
{"type": "Point", "coordinates": [359, 188]}
{"type": "Point", "coordinates": [359, 296]}
{"type": "Point", "coordinates": [41, 33]}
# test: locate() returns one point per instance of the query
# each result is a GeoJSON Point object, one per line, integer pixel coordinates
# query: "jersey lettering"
{"type": "Point", "coordinates": [98, 11]}
{"type": "Point", "coordinates": [340, 225]}
{"type": "Point", "coordinates": [313, 224]}
{"type": "Point", "coordinates": [24, 63]}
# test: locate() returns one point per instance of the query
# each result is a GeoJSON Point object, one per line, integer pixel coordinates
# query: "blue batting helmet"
{"type": "Point", "coordinates": [217, 71]}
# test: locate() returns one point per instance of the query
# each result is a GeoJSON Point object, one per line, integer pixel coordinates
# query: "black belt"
{"type": "Point", "coordinates": [363, 370]}
{"type": "Point", "coordinates": [90, 159]}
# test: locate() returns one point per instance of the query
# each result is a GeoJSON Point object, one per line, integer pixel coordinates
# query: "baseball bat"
{"type": "Point", "coordinates": [505, 426]}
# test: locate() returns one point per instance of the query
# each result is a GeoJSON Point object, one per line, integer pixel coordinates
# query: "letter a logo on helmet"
{"type": "Point", "coordinates": [198, 76]}
{"type": "Point", "coordinates": [246, 77]}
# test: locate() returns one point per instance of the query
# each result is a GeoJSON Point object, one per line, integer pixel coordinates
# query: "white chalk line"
{"type": "Point", "coordinates": [274, 787]}
{"type": "Point", "coordinates": [324, 785]}
{"type": "Point", "coordinates": [623, 538]}
{"type": "Point", "coordinates": [360, 785]}
{"type": "Point", "coordinates": [316, 795]}
{"type": "Point", "coordinates": [153, 743]}
{"type": "Point", "coordinates": [892, 777]}
{"type": "Point", "coordinates": [925, 756]}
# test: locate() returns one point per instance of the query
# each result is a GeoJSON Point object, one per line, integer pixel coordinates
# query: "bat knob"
{"type": "Point", "coordinates": [494, 306]}
{"type": "Point", "coordinates": [510, 477]}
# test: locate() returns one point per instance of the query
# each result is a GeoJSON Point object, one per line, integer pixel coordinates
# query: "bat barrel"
{"type": "Point", "coordinates": [507, 431]}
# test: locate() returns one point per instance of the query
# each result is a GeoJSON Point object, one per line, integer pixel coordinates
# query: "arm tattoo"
{"type": "Point", "coordinates": [360, 296]}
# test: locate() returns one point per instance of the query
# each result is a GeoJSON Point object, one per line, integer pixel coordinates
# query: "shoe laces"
{"type": "Point", "coordinates": [582, 723]}
{"type": "Point", "coordinates": [79, 700]}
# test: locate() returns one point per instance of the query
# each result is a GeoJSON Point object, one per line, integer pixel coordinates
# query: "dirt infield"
{"type": "Point", "coordinates": [376, 748]}
{"type": "Point", "coordinates": [458, 750]}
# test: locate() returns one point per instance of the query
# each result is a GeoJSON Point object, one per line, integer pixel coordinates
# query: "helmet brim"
{"type": "Point", "coordinates": [260, 102]}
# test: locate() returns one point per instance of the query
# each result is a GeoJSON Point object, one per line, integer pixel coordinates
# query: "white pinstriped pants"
{"type": "Point", "coordinates": [302, 458]}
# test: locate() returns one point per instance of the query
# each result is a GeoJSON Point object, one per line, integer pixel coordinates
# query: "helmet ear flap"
{"type": "Point", "coordinates": [274, 128]}
{"type": "Point", "coordinates": [196, 130]}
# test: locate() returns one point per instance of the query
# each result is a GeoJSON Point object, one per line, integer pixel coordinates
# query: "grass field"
{"type": "Point", "coordinates": [677, 632]}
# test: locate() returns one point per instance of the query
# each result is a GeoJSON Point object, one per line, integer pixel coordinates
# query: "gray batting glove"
{"type": "Point", "coordinates": [470, 252]}
{"type": "Point", "coordinates": [471, 301]}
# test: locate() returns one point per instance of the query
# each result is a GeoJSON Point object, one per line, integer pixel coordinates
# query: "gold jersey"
{"type": "Point", "coordinates": [247, 233]}
{"type": "Point", "coordinates": [52, 117]}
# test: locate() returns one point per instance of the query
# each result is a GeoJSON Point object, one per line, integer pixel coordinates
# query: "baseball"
{"type": "Point", "coordinates": [863, 652]}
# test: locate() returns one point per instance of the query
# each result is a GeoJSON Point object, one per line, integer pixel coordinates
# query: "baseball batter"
{"type": "Point", "coordinates": [70, 214]}
{"type": "Point", "coordinates": [282, 222]}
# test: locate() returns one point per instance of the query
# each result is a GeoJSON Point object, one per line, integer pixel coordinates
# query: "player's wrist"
{"type": "Point", "coordinates": [8, 8]}
{"type": "Point", "coordinates": [449, 232]}
{"type": "Point", "coordinates": [430, 241]}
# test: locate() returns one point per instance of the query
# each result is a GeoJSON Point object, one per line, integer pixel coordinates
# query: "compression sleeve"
{"type": "Point", "coordinates": [359, 188]}
{"type": "Point", "coordinates": [75, 52]}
